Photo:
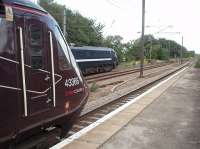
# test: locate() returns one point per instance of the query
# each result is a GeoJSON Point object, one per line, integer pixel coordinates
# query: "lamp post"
{"type": "Point", "coordinates": [150, 39]}
{"type": "Point", "coordinates": [151, 48]}
{"type": "Point", "coordinates": [182, 50]}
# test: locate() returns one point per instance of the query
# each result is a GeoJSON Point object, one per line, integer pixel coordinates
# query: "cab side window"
{"type": "Point", "coordinates": [62, 60]}
{"type": "Point", "coordinates": [63, 54]}
{"type": "Point", "coordinates": [36, 46]}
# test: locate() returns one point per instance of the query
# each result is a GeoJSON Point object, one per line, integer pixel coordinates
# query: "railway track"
{"type": "Point", "coordinates": [102, 110]}
{"type": "Point", "coordinates": [104, 76]}
{"type": "Point", "coordinates": [88, 117]}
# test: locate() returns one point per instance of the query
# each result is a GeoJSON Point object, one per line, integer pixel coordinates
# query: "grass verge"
{"type": "Point", "coordinates": [197, 65]}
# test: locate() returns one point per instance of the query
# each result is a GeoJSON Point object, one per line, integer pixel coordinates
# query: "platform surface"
{"type": "Point", "coordinates": [172, 121]}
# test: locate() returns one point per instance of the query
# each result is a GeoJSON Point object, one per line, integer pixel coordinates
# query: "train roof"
{"type": "Point", "coordinates": [26, 3]}
{"type": "Point", "coordinates": [91, 48]}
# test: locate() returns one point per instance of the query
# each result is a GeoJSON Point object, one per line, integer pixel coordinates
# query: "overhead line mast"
{"type": "Point", "coordinates": [142, 41]}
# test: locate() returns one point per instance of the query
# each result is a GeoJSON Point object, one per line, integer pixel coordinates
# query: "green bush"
{"type": "Point", "coordinates": [197, 65]}
{"type": "Point", "coordinates": [133, 63]}
{"type": "Point", "coordinates": [125, 65]}
{"type": "Point", "coordinates": [94, 87]}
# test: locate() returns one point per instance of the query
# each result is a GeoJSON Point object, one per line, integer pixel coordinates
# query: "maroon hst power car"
{"type": "Point", "coordinates": [40, 83]}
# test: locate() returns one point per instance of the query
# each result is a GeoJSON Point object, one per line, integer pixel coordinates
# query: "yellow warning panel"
{"type": "Point", "coordinates": [9, 13]}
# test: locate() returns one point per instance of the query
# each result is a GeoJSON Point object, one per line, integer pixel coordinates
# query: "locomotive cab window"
{"type": "Point", "coordinates": [63, 54]}
{"type": "Point", "coordinates": [36, 46]}
{"type": "Point", "coordinates": [2, 9]}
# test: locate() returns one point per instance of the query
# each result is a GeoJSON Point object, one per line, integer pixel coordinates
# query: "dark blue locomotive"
{"type": "Point", "coordinates": [95, 59]}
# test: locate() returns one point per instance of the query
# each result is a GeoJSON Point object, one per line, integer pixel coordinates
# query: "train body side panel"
{"type": "Point", "coordinates": [69, 87]}
{"type": "Point", "coordinates": [94, 58]}
{"type": "Point", "coordinates": [8, 81]}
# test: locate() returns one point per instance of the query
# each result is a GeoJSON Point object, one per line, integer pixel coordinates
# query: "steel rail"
{"type": "Point", "coordinates": [121, 73]}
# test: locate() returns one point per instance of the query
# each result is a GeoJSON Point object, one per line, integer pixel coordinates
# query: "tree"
{"type": "Point", "coordinates": [80, 30]}
{"type": "Point", "coordinates": [132, 50]}
{"type": "Point", "coordinates": [85, 31]}
{"type": "Point", "coordinates": [55, 9]}
{"type": "Point", "coordinates": [115, 42]}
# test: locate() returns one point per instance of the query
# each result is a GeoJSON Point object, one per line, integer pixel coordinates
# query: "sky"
{"type": "Point", "coordinates": [170, 19]}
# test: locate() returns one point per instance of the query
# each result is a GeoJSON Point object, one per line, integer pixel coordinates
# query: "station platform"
{"type": "Point", "coordinates": [172, 121]}
{"type": "Point", "coordinates": [166, 117]}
